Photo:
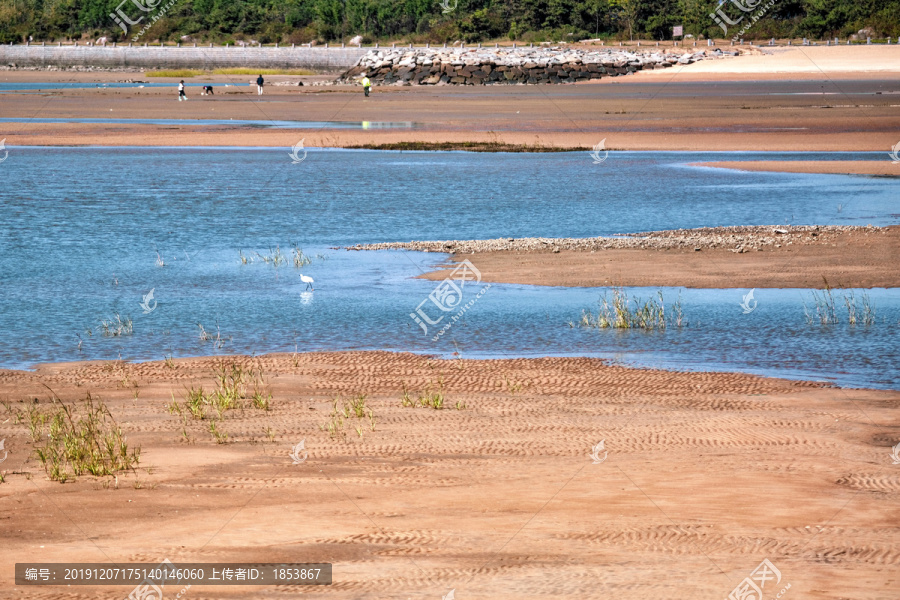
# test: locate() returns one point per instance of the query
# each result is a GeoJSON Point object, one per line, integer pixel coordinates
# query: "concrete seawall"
{"type": "Point", "coordinates": [200, 57]}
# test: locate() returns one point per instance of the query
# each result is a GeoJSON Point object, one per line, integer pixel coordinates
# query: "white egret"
{"type": "Point", "coordinates": [307, 280]}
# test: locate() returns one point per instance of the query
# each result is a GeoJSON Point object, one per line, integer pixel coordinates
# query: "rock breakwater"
{"type": "Point", "coordinates": [484, 66]}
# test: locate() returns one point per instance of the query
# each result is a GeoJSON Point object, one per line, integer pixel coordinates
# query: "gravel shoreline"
{"type": "Point", "coordinates": [737, 239]}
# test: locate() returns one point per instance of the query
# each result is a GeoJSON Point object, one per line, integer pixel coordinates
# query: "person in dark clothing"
{"type": "Point", "coordinates": [259, 85]}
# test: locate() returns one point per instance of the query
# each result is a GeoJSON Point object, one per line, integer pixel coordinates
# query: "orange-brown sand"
{"type": "Point", "coordinates": [703, 476]}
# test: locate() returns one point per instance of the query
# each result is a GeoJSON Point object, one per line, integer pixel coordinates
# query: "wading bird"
{"type": "Point", "coordinates": [307, 280]}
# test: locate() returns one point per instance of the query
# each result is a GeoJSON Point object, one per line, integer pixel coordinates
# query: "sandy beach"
{"type": "Point", "coordinates": [702, 477]}
{"type": "Point", "coordinates": [823, 61]}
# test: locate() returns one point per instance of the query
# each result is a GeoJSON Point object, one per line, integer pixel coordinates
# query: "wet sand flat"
{"type": "Point", "coordinates": [702, 477]}
{"type": "Point", "coordinates": [719, 107]}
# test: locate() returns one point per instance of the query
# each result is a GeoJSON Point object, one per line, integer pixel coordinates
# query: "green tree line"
{"type": "Point", "coordinates": [419, 21]}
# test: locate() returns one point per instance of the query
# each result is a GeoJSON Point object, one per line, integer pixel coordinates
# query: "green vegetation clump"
{"type": "Point", "coordinates": [623, 312]}
{"type": "Point", "coordinates": [236, 387]}
{"type": "Point", "coordinates": [77, 439]}
{"type": "Point", "coordinates": [116, 326]}
{"type": "Point", "coordinates": [431, 396]}
{"type": "Point", "coordinates": [531, 21]}
{"type": "Point", "coordinates": [174, 73]}
{"type": "Point", "coordinates": [342, 411]}
{"type": "Point", "coordinates": [824, 310]}
{"type": "Point", "coordinates": [463, 146]}
{"type": "Point", "coordinates": [242, 71]}
{"type": "Point", "coordinates": [276, 257]}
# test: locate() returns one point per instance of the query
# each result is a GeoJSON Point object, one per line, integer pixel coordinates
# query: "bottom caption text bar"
{"type": "Point", "coordinates": [174, 574]}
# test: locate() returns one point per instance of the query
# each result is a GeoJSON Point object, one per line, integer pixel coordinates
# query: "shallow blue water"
{"type": "Point", "coordinates": [272, 124]}
{"type": "Point", "coordinates": [80, 229]}
{"type": "Point", "coordinates": [17, 86]}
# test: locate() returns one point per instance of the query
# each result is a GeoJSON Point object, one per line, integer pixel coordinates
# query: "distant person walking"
{"type": "Point", "coordinates": [259, 85]}
{"type": "Point", "coordinates": [366, 85]}
{"type": "Point", "coordinates": [181, 95]}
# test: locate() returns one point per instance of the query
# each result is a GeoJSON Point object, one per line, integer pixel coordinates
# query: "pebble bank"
{"type": "Point", "coordinates": [737, 239]}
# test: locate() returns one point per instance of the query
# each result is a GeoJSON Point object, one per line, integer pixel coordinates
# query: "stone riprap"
{"type": "Point", "coordinates": [481, 66]}
{"type": "Point", "coordinates": [737, 239]}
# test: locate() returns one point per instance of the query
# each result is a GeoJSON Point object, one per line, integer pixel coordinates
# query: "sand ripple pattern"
{"type": "Point", "coordinates": [703, 474]}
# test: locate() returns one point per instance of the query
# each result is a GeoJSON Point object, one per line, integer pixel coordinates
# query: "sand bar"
{"type": "Point", "coordinates": [723, 257]}
{"type": "Point", "coordinates": [705, 474]}
{"type": "Point", "coordinates": [881, 168]}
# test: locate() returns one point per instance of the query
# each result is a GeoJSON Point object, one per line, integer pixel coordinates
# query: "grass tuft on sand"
{"type": "Point", "coordinates": [357, 407]}
{"type": "Point", "coordinates": [242, 71]}
{"type": "Point", "coordinates": [173, 73]}
{"type": "Point", "coordinates": [231, 390]}
{"type": "Point", "coordinates": [77, 439]}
